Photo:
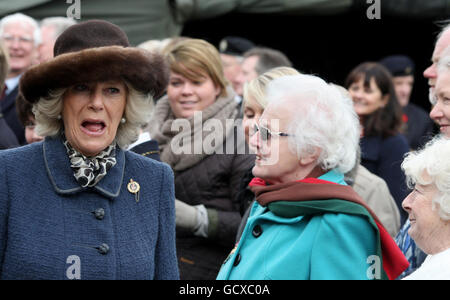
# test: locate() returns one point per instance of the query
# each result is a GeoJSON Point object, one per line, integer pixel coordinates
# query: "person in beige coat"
{"type": "Point", "coordinates": [374, 190]}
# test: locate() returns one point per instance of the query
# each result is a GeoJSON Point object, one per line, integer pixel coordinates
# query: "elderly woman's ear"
{"type": "Point", "coordinates": [310, 157]}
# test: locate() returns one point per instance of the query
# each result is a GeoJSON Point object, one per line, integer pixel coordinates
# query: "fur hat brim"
{"type": "Point", "coordinates": [146, 71]}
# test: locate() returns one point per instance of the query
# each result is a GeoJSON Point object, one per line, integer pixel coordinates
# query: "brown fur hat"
{"type": "Point", "coordinates": [95, 51]}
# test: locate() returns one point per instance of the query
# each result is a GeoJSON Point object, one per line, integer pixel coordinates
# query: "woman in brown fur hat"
{"type": "Point", "coordinates": [78, 206]}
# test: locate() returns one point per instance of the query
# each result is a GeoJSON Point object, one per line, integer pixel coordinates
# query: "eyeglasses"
{"type": "Point", "coordinates": [22, 39]}
{"type": "Point", "coordinates": [265, 133]}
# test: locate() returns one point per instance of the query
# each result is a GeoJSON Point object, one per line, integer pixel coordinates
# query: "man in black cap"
{"type": "Point", "coordinates": [418, 125]}
{"type": "Point", "coordinates": [231, 50]}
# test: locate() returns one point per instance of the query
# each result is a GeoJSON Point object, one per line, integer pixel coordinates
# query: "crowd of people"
{"type": "Point", "coordinates": [179, 159]}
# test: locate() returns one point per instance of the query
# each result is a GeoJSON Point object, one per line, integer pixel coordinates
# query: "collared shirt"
{"type": "Point", "coordinates": [143, 137]}
{"type": "Point", "coordinates": [413, 254]}
{"type": "Point", "coordinates": [11, 83]}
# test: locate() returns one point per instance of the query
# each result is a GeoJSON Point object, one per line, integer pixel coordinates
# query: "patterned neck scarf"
{"type": "Point", "coordinates": [88, 171]}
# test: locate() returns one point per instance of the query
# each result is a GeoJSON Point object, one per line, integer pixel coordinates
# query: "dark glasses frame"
{"type": "Point", "coordinates": [266, 133]}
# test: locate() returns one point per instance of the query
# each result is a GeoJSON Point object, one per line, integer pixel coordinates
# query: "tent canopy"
{"type": "Point", "coordinates": [157, 19]}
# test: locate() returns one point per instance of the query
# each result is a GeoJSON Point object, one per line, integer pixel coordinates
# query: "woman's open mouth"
{"type": "Point", "coordinates": [93, 127]}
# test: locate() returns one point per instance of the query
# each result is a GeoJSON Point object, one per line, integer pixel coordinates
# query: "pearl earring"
{"type": "Point", "coordinates": [123, 120]}
{"type": "Point", "coordinates": [59, 117]}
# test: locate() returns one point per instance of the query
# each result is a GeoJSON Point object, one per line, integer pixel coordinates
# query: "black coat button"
{"type": "Point", "coordinates": [103, 249]}
{"type": "Point", "coordinates": [257, 231]}
{"type": "Point", "coordinates": [99, 213]}
{"type": "Point", "coordinates": [237, 260]}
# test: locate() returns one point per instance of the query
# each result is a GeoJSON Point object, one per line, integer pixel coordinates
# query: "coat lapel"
{"type": "Point", "coordinates": [9, 99]}
{"type": "Point", "coordinates": [110, 185]}
{"type": "Point", "coordinates": [61, 175]}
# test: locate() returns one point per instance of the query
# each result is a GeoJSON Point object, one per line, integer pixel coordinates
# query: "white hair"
{"type": "Point", "coordinates": [155, 45]}
{"type": "Point", "coordinates": [431, 165]}
{"type": "Point", "coordinates": [443, 65]}
{"type": "Point", "coordinates": [20, 17]}
{"type": "Point", "coordinates": [444, 61]}
{"type": "Point", "coordinates": [445, 26]}
{"type": "Point", "coordinates": [323, 119]}
{"type": "Point", "coordinates": [60, 24]}
{"type": "Point", "coordinates": [137, 114]}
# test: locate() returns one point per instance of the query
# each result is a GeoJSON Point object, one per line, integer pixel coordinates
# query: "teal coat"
{"type": "Point", "coordinates": [325, 246]}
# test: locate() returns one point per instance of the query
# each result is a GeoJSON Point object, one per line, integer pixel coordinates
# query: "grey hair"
{"type": "Point", "coordinates": [323, 119]}
{"type": "Point", "coordinates": [434, 161]}
{"type": "Point", "coordinates": [443, 65]}
{"type": "Point", "coordinates": [268, 59]}
{"type": "Point", "coordinates": [20, 17]}
{"type": "Point", "coordinates": [444, 61]}
{"type": "Point", "coordinates": [137, 114]}
{"type": "Point", "coordinates": [445, 25]}
{"type": "Point", "coordinates": [60, 24]}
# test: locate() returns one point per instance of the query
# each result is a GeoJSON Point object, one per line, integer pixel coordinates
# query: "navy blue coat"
{"type": "Point", "coordinates": [8, 108]}
{"type": "Point", "coordinates": [419, 127]}
{"type": "Point", "coordinates": [384, 157]}
{"type": "Point", "coordinates": [7, 137]}
{"type": "Point", "coordinates": [51, 228]}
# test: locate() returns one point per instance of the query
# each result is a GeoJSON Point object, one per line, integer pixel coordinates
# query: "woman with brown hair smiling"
{"type": "Point", "coordinates": [382, 144]}
{"type": "Point", "coordinates": [207, 175]}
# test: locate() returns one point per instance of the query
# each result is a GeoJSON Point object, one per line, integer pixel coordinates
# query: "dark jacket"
{"type": "Point", "coordinates": [7, 137]}
{"type": "Point", "coordinates": [383, 157]}
{"type": "Point", "coordinates": [8, 108]}
{"type": "Point", "coordinates": [214, 182]}
{"type": "Point", "coordinates": [207, 178]}
{"type": "Point", "coordinates": [419, 126]}
{"type": "Point", "coordinates": [148, 149]}
{"type": "Point", "coordinates": [50, 226]}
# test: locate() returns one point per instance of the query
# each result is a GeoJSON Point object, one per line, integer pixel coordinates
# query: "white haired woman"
{"type": "Point", "coordinates": [428, 206]}
{"type": "Point", "coordinates": [76, 205]}
{"type": "Point", "coordinates": [440, 114]}
{"type": "Point", "coordinates": [307, 223]}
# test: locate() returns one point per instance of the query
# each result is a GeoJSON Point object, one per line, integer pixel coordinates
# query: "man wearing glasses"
{"type": "Point", "coordinates": [21, 36]}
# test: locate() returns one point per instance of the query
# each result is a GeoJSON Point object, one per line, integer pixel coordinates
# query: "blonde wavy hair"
{"type": "Point", "coordinates": [137, 113]}
{"type": "Point", "coordinates": [256, 88]}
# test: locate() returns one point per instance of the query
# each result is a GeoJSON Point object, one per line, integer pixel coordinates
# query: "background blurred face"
{"type": "Point", "coordinates": [187, 96]}
{"type": "Point", "coordinates": [425, 223]}
{"type": "Point", "coordinates": [247, 73]}
{"type": "Point", "coordinates": [231, 69]}
{"type": "Point", "coordinates": [47, 43]}
{"type": "Point", "coordinates": [92, 114]}
{"type": "Point", "coordinates": [18, 38]}
{"type": "Point", "coordinates": [252, 113]}
{"type": "Point", "coordinates": [403, 87]}
{"type": "Point", "coordinates": [274, 162]}
{"type": "Point", "coordinates": [30, 133]}
{"type": "Point", "coordinates": [441, 110]}
{"type": "Point", "coordinates": [366, 100]}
